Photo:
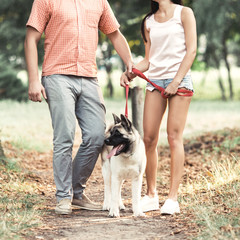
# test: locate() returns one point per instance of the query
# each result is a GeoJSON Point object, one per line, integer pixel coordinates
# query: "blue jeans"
{"type": "Point", "coordinates": [72, 98]}
{"type": "Point", "coordinates": [185, 83]}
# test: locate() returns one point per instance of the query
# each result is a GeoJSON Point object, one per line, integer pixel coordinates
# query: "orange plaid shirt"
{"type": "Point", "coordinates": [71, 33]}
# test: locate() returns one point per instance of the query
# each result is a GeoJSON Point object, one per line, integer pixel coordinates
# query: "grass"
{"type": "Point", "coordinates": [28, 125]}
{"type": "Point", "coordinates": [215, 202]}
{"type": "Point", "coordinates": [18, 214]}
{"type": "Point", "coordinates": [214, 196]}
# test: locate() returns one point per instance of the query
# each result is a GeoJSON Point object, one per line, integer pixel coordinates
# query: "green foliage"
{"type": "Point", "coordinates": [11, 87]}
{"type": "Point", "coordinates": [219, 22]}
{"type": "Point", "coordinates": [130, 15]}
{"type": "Point", "coordinates": [13, 18]}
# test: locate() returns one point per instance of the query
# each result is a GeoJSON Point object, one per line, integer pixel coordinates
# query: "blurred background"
{"type": "Point", "coordinates": [216, 70]}
{"type": "Point", "coordinates": [210, 194]}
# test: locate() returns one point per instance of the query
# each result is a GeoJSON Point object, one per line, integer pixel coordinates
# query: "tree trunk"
{"type": "Point", "coordinates": [137, 109]}
{"type": "Point", "coordinates": [2, 155]}
{"type": "Point", "coordinates": [221, 87]}
{"type": "Point", "coordinates": [225, 54]}
{"type": "Point", "coordinates": [220, 83]}
{"type": "Point", "coordinates": [108, 67]}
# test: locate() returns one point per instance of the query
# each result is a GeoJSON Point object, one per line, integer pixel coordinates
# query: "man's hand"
{"type": "Point", "coordinates": [126, 78]}
{"type": "Point", "coordinates": [35, 90]}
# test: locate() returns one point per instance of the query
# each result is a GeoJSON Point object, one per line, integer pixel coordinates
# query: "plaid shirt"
{"type": "Point", "coordinates": [71, 33]}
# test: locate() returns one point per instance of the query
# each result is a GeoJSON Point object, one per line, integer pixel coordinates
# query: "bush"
{"type": "Point", "coordinates": [11, 87]}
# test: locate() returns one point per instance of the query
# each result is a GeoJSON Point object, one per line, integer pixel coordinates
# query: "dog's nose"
{"type": "Point", "coordinates": [106, 141]}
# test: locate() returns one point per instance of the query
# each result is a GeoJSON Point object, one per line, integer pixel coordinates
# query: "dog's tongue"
{"type": "Point", "coordinates": [113, 151]}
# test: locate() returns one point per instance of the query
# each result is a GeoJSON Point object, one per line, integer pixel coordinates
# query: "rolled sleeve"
{"type": "Point", "coordinates": [39, 16]}
{"type": "Point", "coordinates": [108, 22]}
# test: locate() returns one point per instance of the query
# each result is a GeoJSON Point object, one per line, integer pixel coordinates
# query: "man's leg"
{"type": "Point", "coordinates": [61, 100]}
{"type": "Point", "coordinates": [90, 112]}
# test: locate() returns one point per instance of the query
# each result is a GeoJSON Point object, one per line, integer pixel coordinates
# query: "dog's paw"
{"type": "Point", "coordinates": [114, 213]}
{"type": "Point", "coordinates": [121, 206]}
{"type": "Point", "coordinates": [139, 214]}
{"type": "Point", "coordinates": [106, 207]}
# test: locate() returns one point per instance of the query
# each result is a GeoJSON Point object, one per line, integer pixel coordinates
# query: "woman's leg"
{"type": "Point", "coordinates": [154, 109]}
{"type": "Point", "coordinates": [177, 115]}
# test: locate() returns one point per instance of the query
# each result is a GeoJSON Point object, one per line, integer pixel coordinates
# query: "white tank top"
{"type": "Point", "coordinates": [168, 46]}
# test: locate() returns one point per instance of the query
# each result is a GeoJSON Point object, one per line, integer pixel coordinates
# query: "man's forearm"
{"type": "Point", "coordinates": [31, 55]}
{"type": "Point", "coordinates": [121, 46]}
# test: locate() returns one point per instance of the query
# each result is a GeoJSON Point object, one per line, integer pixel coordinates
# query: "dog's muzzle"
{"type": "Point", "coordinates": [116, 150]}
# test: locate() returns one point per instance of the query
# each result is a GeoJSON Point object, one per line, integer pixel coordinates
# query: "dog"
{"type": "Point", "coordinates": [123, 157]}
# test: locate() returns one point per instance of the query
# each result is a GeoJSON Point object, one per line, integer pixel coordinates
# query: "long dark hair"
{"type": "Point", "coordinates": [154, 8]}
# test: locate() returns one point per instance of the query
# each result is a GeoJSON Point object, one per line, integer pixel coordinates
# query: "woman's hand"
{"type": "Point", "coordinates": [171, 89]}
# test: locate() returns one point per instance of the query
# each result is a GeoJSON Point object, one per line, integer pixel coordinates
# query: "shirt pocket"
{"type": "Point", "coordinates": [93, 18]}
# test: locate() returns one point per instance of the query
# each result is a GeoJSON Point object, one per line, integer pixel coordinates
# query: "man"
{"type": "Point", "coordinates": [70, 86]}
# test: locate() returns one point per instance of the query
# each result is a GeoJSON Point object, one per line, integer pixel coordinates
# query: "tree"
{"type": "Point", "coordinates": [219, 22]}
{"type": "Point", "coordinates": [13, 18]}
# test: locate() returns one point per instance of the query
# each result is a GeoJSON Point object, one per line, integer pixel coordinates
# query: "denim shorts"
{"type": "Point", "coordinates": [185, 83]}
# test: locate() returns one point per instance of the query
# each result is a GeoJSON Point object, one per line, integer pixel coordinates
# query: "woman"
{"type": "Point", "coordinates": [169, 34]}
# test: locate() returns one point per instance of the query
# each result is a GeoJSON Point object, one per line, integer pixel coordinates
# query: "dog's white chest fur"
{"type": "Point", "coordinates": [128, 167]}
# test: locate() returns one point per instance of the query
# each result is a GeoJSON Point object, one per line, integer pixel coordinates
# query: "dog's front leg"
{"type": "Point", "coordinates": [136, 196]}
{"type": "Point", "coordinates": [115, 196]}
{"type": "Point", "coordinates": [106, 172]}
{"type": "Point", "coordinates": [121, 205]}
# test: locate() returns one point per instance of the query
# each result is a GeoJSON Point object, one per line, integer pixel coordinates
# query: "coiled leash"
{"type": "Point", "coordinates": [180, 91]}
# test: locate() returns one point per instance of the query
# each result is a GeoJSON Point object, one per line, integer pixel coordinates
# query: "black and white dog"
{"type": "Point", "coordinates": [123, 157]}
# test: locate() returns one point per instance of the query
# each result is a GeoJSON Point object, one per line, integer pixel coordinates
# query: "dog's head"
{"type": "Point", "coordinates": [121, 135]}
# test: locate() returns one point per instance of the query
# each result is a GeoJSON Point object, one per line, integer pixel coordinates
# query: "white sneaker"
{"type": "Point", "coordinates": [149, 204]}
{"type": "Point", "coordinates": [170, 207]}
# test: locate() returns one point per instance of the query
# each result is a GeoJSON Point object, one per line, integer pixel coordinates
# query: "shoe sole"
{"type": "Point", "coordinates": [86, 208]}
{"type": "Point", "coordinates": [151, 209]}
{"type": "Point", "coordinates": [167, 213]}
{"type": "Point", "coordinates": [63, 212]}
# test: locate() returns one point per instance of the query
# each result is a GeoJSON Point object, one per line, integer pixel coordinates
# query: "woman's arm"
{"type": "Point", "coordinates": [144, 64]}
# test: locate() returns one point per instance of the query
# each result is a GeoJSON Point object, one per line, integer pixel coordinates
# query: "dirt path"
{"type": "Point", "coordinates": [83, 224]}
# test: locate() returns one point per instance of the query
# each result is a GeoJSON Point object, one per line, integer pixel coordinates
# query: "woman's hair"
{"type": "Point", "coordinates": [154, 8]}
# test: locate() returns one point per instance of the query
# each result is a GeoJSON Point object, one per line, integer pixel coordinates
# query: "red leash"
{"type": "Point", "coordinates": [180, 91]}
{"type": "Point", "coordinates": [126, 107]}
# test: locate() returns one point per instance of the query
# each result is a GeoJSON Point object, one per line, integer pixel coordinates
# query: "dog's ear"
{"type": "Point", "coordinates": [126, 123]}
{"type": "Point", "coordinates": [116, 119]}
